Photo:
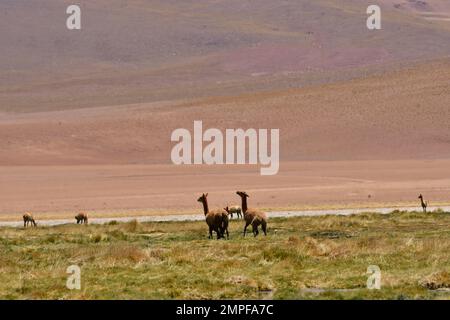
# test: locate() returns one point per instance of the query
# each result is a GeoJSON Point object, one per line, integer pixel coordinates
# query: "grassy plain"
{"type": "Point", "coordinates": [301, 258]}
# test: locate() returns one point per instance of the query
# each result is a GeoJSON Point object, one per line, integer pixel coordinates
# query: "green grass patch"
{"type": "Point", "coordinates": [301, 258]}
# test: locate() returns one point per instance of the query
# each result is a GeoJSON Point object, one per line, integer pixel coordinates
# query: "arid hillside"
{"type": "Point", "coordinates": [145, 51]}
{"type": "Point", "coordinates": [380, 140]}
{"type": "Point", "coordinates": [398, 115]}
{"type": "Point", "coordinates": [86, 116]}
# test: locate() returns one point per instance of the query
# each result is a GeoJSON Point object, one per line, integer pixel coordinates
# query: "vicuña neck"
{"type": "Point", "coordinates": [244, 204]}
{"type": "Point", "coordinates": [205, 206]}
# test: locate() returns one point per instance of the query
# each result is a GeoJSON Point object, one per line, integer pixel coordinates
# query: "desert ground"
{"type": "Point", "coordinates": [362, 143]}
{"type": "Point", "coordinates": [111, 191]}
{"type": "Point", "coordinates": [86, 117]}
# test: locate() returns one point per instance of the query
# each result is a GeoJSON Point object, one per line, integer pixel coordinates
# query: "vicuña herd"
{"type": "Point", "coordinates": [29, 220]}
{"type": "Point", "coordinates": [218, 219]}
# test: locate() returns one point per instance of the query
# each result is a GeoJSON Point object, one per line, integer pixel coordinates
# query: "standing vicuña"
{"type": "Point", "coordinates": [82, 218]}
{"type": "Point", "coordinates": [252, 216]}
{"type": "Point", "coordinates": [27, 219]}
{"type": "Point", "coordinates": [217, 220]}
{"type": "Point", "coordinates": [423, 203]}
{"type": "Point", "coordinates": [234, 209]}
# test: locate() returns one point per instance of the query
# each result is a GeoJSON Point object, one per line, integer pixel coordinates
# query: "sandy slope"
{"type": "Point", "coordinates": [86, 117]}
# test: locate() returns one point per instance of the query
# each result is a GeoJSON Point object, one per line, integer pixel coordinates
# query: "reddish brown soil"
{"type": "Point", "coordinates": [386, 136]}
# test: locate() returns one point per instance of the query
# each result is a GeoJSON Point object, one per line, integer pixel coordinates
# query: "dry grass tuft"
{"type": "Point", "coordinates": [130, 253]}
{"type": "Point", "coordinates": [436, 281]}
{"type": "Point", "coordinates": [132, 226]}
{"type": "Point", "coordinates": [242, 280]}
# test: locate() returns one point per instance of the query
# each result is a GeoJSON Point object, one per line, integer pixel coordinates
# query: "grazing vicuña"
{"type": "Point", "coordinates": [82, 218]}
{"type": "Point", "coordinates": [27, 219]}
{"type": "Point", "coordinates": [234, 209]}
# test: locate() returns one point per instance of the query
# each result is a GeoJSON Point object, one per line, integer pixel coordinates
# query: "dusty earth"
{"type": "Point", "coordinates": [86, 118]}
{"type": "Point", "coordinates": [373, 141]}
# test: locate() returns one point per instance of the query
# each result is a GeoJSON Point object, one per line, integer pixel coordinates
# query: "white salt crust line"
{"type": "Point", "coordinates": [201, 217]}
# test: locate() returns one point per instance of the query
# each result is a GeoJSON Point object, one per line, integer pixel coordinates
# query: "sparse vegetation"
{"type": "Point", "coordinates": [301, 258]}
